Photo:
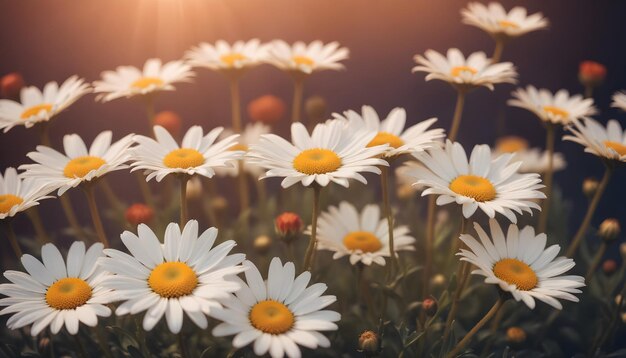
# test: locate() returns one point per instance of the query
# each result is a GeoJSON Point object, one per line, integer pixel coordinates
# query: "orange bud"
{"type": "Point", "coordinates": [288, 225]}
{"type": "Point", "coordinates": [11, 85]}
{"type": "Point", "coordinates": [139, 214]}
{"type": "Point", "coordinates": [170, 121]}
{"type": "Point", "coordinates": [609, 266]}
{"type": "Point", "coordinates": [591, 73]}
{"type": "Point", "coordinates": [267, 109]}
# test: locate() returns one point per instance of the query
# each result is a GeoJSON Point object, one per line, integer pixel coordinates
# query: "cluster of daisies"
{"type": "Point", "coordinates": [185, 274]}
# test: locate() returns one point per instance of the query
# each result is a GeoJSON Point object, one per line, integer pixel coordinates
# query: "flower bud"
{"type": "Point", "coordinates": [316, 108]}
{"type": "Point", "coordinates": [590, 186]}
{"type": "Point", "coordinates": [10, 85]}
{"type": "Point", "coordinates": [139, 214]}
{"type": "Point", "coordinates": [591, 73]}
{"type": "Point", "coordinates": [262, 244]}
{"type": "Point", "coordinates": [511, 144]}
{"type": "Point", "coordinates": [405, 191]}
{"type": "Point", "coordinates": [609, 267]}
{"type": "Point", "coordinates": [609, 229]}
{"type": "Point", "coordinates": [515, 335]}
{"type": "Point", "coordinates": [266, 109]}
{"type": "Point", "coordinates": [438, 281]}
{"type": "Point", "coordinates": [288, 225]}
{"type": "Point", "coordinates": [170, 121]}
{"type": "Point", "coordinates": [219, 204]}
{"type": "Point", "coordinates": [430, 306]}
{"type": "Point", "coordinates": [194, 188]}
{"type": "Point", "coordinates": [622, 250]}
{"type": "Point", "coordinates": [369, 343]}
{"type": "Point", "coordinates": [44, 344]}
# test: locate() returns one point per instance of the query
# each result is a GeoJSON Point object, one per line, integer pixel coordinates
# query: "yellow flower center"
{"type": "Point", "coordinates": [478, 188]}
{"type": "Point", "coordinates": [556, 111]}
{"type": "Point", "coordinates": [231, 58]}
{"type": "Point", "coordinates": [459, 70]}
{"type": "Point", "coordinates": [7, 201]}
{"type": "Point", "coordinates": [362, 240]}
{"type": "Point", "coordinates": [271, 317]}
{"type": "Point", "coordinates": [173, 280]}
{"type": "Point", "coordinates": [239, 146]}
{"type": "Point", "coordinates": [509, 24]}
{"type": "Point", "coordinates": [145, 82]}
{"type": "Point", "coordinates": [316, 161]}
{"type": "Point", "coordinates": [386, 138]}
{"type": "Point", "coordinates": [34, 110]}
{"type": "Point", "coordinates": [183, 158]}
{"type": "Point", "coordinates": [511, 144]}
{"type": "Point", "coordinates": [303, 61]}
{"type": "Point", "coordinates": [516, 272]}
{"type": "Point", "coordinates": [618, 147]}
{"type": "Point", "coordinates": [81, 166]}
{"type": "Point", "coordinates": [68, 293]}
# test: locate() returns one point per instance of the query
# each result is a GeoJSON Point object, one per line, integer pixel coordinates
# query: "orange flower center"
{"type": "Point", "coordinates": [68, 293]}
{"type": "Point", "coordinates": [516, 272]}
{"type": "Point", "coordinates": [509, 24]}
{"type": "Point", "coordinates": [231, 58]}
{"type": "Point", "coordinates": [303, 61]}
{"type": "Point", "coordinates": [239, 146]}
{"type": "Point", "coordinates": [618, 147]}
{"type": "Point", "coordinates": [459, 70]}
{"type": "Point", "coordinates": [316, 161]}
{"type": "Point", "coordinates": [362, 240]}
{"type": "Point", "coordinates": [146, 82]}
{"type": "Point", "coordinates": [556, 111]}
{"type": "Point", "coordinates": [183, 158]}
{"type": "Point", "coordinates": [271, 317]}
{"type": "Point", "coordinates": [478, 188]}
{"type": "Point", "coordinates": [81, 166]}
{"type": "Point", "coordinates": [173, 280]}
{"type": "Point", "coordinates": [34, 110]}
{"type": "Point", "coordinates": [7, 201]}
{"type": "Point", "coordinates": [386, 138]}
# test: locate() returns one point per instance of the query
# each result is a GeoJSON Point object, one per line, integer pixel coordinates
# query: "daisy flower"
{"type": "Point", "coordinates": [278, 314]}
{"type": "Point", "coordinates": [64, 171]}
{"type": "Point", "coordinates": [493, 185]}
{"type": "Point", "coordinates": [619, 100]}
{"type": "Point", "coordinates": [475, 71]}
{"type": "Point", "coordinates": [306, 59]}
{"type": "Point", "coordinates": [520, 263]}
{"type": "Point", "coordinates": [413, 140]}
{"type": "Point", "coordinates": [250, 136]}
{"type": "Point", "coordinates": [185, 274]}
{"type": "Point", "coordinates": [534, 160]}
{"type": "Point", "coordinates": [18, 194]}
{"type": "Point", "coordinates": [224, 57]}
{"type": "Point", "coordinates": [330, 153]}
{"type": "Point", "coordinates": [363, 236]}
{"type": "Point", "coordinates": [199, 154]}
{"type": "Point", "coordinates": [129, 81]}
{"type": "Point", "coordinates": [57, 292]}
{"type": "Point", "coordinates": [40, 106]}
{"type": "Point", "coordinates": [609, 142]}
{"type": "Point", "coordinates": [498, 23]}
{"type": "Point", "coordinates": [558, 108]}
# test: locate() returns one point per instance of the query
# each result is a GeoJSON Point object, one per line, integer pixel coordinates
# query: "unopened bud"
{"type": "Point", "coordinates": [288, 225]}
{"type": "Point", "coordinates": [515, 335]}
{"type": "Point", "coordinates": [194, 188]}
{"type": "Point", "coordinates": [622, 250]}
{"type": "Point", "coordinates": [609, 229]}
{"type": "Point", "coordinates": [316, 108]}
{"type": "Point", "coordinates": [438, 281]}
{"type": "Point", "coordinates": [170, 121]}
{"type": "Point", "coordinates": [139, 214]}
{"type": "Point", "coordinates": [369, 342]}
{"type": "Point", "coordinates": [44, 344]}
{"type": "Point", "coordinates": [623, 317]}
{"type": "Point", "coordinates": [267, 109]}
{"type": "Point", "coordinates": [405, 191]}
{"type": "Point", "coordinates": [430, 306]}
{"type": "Point", "coordinates": [609, 267]}
{"type": "Point", "coordinates": [590, 186]}
{"type": "Point", "coordinates": [10, 85]}
{"type": "Point", "coordinates": [262, 244]}
{"type": "Point", "coordinates": [591, 73]}
{"type": "Point", "coordinates": [219, 204]}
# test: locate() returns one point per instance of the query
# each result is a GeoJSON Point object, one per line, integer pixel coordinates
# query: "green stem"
{"type": "Point", "coordinates": [384, 182]}
{"type": "Point", "coordinates": [298, 93]}
{"type": "Point", "coordinates": [13, 239]}
{"type": "Point", "coordinates": [547, 179]}
{"type": "Point", "coordinates": [458, 113]}
{"type": "Point", "coordinates": [183, 200]}
{"type": "Point", "coordinates": [66, 204]}
{"type": "Point", "coordinates": [244, 195]}
{"type": "Point", "coordinates": [95, 214]}
{"type": "Point", "coordinates": [102, 339]}
{"type": "Point", "coordinates": [182, 347]}
{"type": "Point", "coordinates": [596, 261]}
{"type": "Point", "coordinates": [457, 349]}
{"type": "Point", "coordinates": [584, 225]}
{"type": "Point", "coordinates": [235, 104]}
{"type": "Point", "coordinates": [462, 275]}
{"type": "Point", "coordinates": [497, 51]}
{"type": "Point", "coordinates": [40, 231]}
{"type": "Point", "coordinates": [429, 244]}
{"type": "Point", "coordinates": [310, 251]}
